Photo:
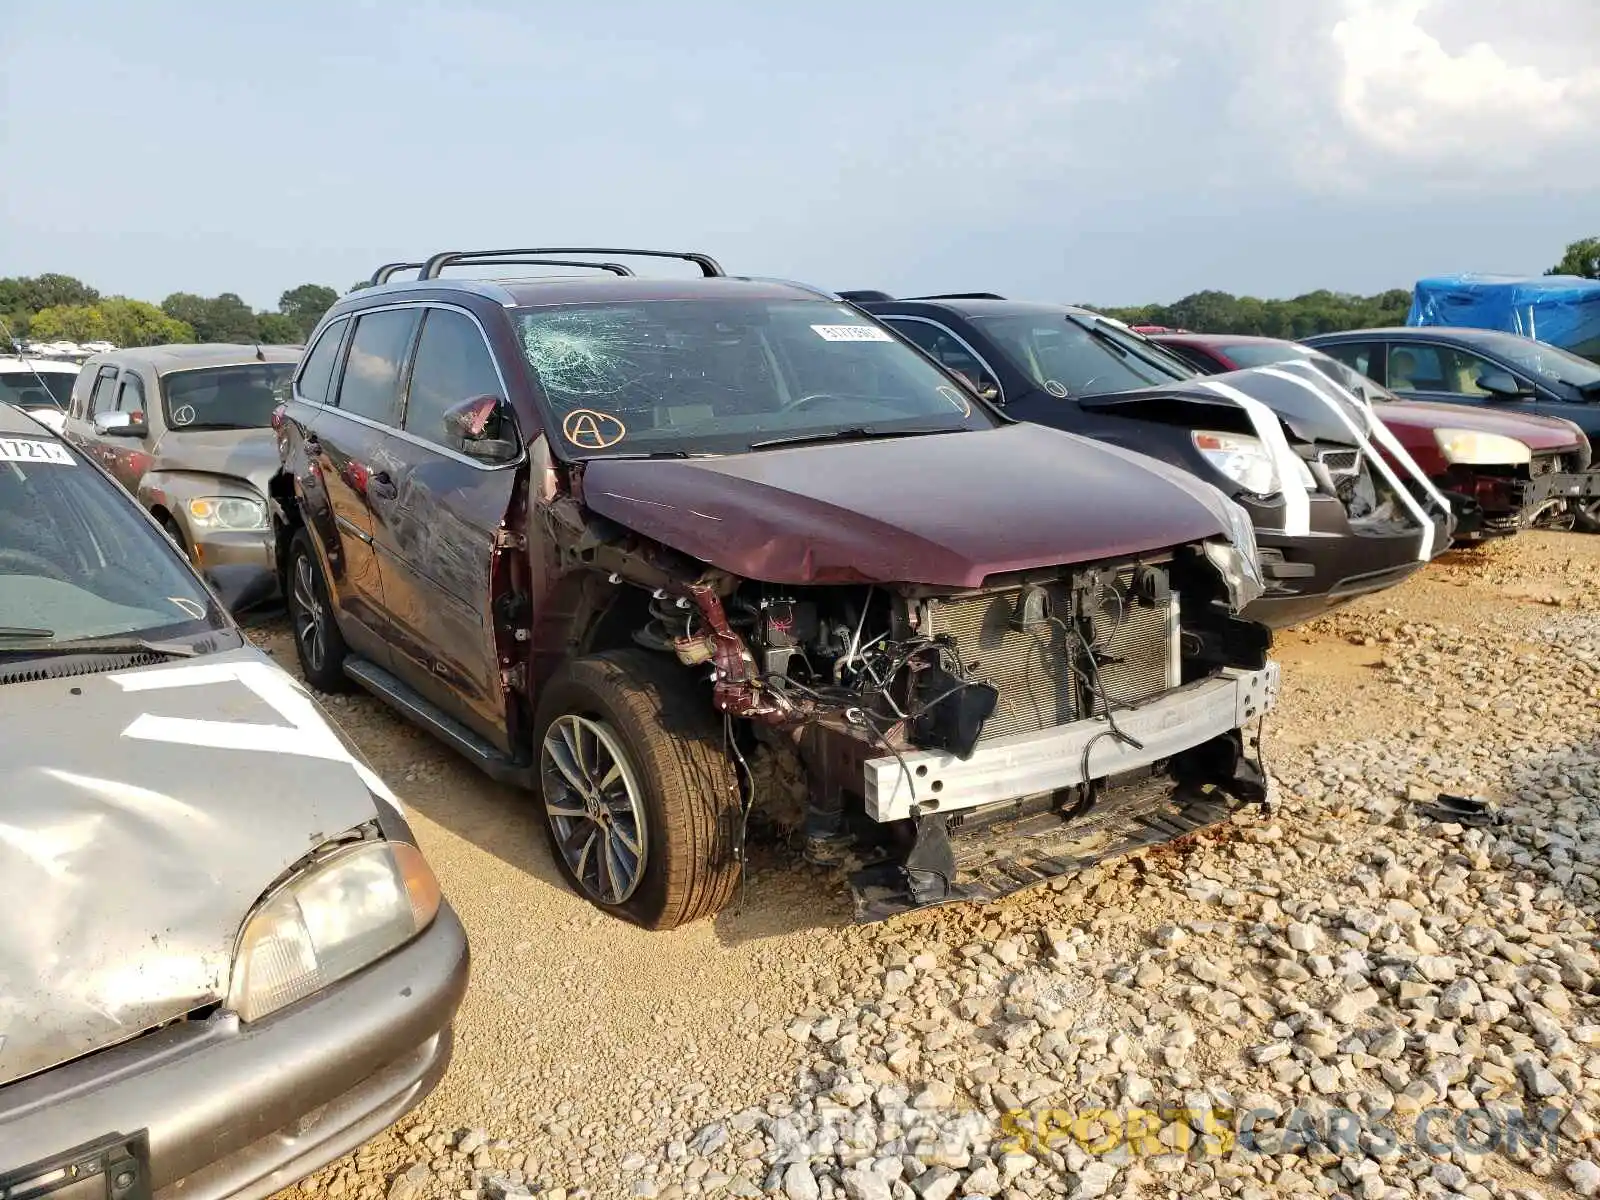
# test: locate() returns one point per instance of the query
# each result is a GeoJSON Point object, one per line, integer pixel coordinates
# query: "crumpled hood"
{"type": "Point", "coordinates": [1535, 431]}
{"type": "Point", "coordinates": [128, 863]}
{"type": "Point", "coordinates": [942, 509]}
{"type": "Point", "coordinates": [250, 454]}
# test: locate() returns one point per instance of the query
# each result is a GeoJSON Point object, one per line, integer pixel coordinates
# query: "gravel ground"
{"type": "Point", "coordinates": [1357, 994]}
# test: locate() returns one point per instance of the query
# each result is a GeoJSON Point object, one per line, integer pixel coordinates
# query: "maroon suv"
{"type": "Point", "coordinates": [611, 537]}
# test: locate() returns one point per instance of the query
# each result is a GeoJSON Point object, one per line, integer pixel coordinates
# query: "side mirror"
{"type": "Point", "coordinates": [120, 424]}
{"type": "Point", "coordinates": [482, 428]}
{"type": "Point", "coordinates": [1503, 385]}
{"type": "Point", "coordinates": [984, 388]}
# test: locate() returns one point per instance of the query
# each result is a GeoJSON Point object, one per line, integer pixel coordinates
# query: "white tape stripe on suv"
{"type": "Point", "coordinates": [1425, 547]}
{"type": "Point", "coordinates": [1296, 503]}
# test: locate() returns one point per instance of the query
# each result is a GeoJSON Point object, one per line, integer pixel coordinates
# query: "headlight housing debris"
{"type": "Point", "coordinates": [341, 913]}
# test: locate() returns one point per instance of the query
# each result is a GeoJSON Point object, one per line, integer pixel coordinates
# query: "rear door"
{"type": "Point", "coordinates": [347, 448]}
{"type": "Point", "coordinates": [438, 535]}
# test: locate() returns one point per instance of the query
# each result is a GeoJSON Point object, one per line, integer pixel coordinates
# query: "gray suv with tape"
{"type": "Point", "coordinates": [1339, 507]}
{"type": "Point", "coordinates": [224, 962]}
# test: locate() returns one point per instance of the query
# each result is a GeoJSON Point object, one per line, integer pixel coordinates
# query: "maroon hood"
{"type": "Point", "coordinates": [942, 509]}
{"type": "Point", "coordinates": [1539, 433]}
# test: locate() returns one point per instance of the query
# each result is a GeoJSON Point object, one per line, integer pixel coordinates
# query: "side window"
{"type": "Point", "coordinates": [1362, 356]}
{"type": "Point", "coordinates": [370, 386]}
{"type": "Point", "coordinates": [453, 364]}
{"type": "Point", "coordinates": [946, 349]}
{"type": "Point", "coordinates": [103, 398]}
{"type": "Point", "coordinates": [130, 396]}
{"type": "Point", "coordinates": [1416, 367]}
{"type": "Point", "coordinates": [317, 370]}
{"type": "Point", "coordinates": [1459, 369]}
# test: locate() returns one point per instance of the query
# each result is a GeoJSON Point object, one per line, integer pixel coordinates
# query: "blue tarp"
{"type": "Point", "coordinates": [1563, 310]}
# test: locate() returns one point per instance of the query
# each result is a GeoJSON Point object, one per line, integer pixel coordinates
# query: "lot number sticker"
{"type": "Point", "coordinates": [851, 333]}
{"type": "Point", "coordinates": [20, 450]}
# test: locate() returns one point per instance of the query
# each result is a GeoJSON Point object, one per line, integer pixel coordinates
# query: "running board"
{"type": "Point", "coordinates": [420, 711]}
{"type": "Point", "coordinates": [1007, 857]}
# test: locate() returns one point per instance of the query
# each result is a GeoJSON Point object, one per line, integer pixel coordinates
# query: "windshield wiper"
{"type": "Point", "coordinates": [25, 631]}
{"type": "Point", "coordinates": [23, 641]}
{"type": "Point", "coordinates": [853, 433]}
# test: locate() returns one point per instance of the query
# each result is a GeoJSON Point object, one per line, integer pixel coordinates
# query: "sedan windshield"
{"type": "Point", "coordinates": [722, 376]}
{"type": "Point", "coordinates": [46, 389]}
{"type": "Point", "coordinates": [77, 560]}
{"type": "Point", "coordinates": [1067, 355]}
{"type": "Point", "coordinates": [240, 397]}
{"type": "Point", "coordinates": [1548, 362]}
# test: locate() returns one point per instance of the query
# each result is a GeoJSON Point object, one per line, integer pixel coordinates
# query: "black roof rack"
{"type": "Point", "coordinates": [389, 270]}
{"type": "Point", "coordinates": [864, 297]}
{"type": "Point", "coordinates": [960, 296]}
{"type": "Point", "coordinates": [431, 269]}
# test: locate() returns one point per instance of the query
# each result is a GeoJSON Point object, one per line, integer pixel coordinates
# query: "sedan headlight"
{"type": "Point", "coordinates": [227, 512]}
{"type": "Point", "coordinates": [342, 913]}
{"type": "Point", "coordinates": [1241, 458]}
{"type": "Point", "coordinates": [1471, 447]}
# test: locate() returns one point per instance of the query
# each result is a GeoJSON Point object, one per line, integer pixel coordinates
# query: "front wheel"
{"type": "Point", "coordinates": [317, 641]}
{"type": "Point", "coordinates": [642, 806]}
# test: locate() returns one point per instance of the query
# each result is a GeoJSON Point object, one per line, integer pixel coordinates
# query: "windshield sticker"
{"type": "Point", "coordinates": [21, 450]}
{"type": "Point", "coordinates": [959, 402]}
{"type": "Point", "coordinates": [1056, 388]}
{"type": "Point", "coordinates": [591, 430]}
{"type": "Point", "coordinates": [184, 414]}
{"type": "Point", "coordinates": [851, 333]}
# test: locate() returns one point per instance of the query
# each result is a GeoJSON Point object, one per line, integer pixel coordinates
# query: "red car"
{"type": "Point", "coordinates": [1502, 471]}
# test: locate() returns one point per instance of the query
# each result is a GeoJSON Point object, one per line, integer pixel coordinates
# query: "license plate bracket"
{"type": "Point", "coordinates": [114, 1167]}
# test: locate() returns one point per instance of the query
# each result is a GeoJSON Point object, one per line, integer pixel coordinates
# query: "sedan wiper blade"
{"type": "Point", "coordinates": [25, 631]}
{"type": "Point", "coordinates": [853, 433]}
{"type": "Point", "coordinates": [11, 641]}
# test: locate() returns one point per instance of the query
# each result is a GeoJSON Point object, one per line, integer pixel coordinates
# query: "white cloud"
{"type": "Point", "coordinates": [1367, 95]}
{"type": "Point", "coordinates": [1403, 93]}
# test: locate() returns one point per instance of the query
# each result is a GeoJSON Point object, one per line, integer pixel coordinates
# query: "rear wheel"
{"type": "Point", "coordinates": [642, 806]}
{"type": "Point", "coordinates": [1586, 516]}
{"type": "Point", "coordinates": [317, 640]}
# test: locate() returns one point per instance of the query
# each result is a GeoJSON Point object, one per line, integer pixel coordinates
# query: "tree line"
{"type": "Point", "coordinates": [51, 308]}
{"type": "Point", "coordinates": [60, 308]}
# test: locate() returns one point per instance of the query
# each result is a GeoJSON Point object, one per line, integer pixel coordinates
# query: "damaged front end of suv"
{"type": "Point", "coordinates": [751, 551]}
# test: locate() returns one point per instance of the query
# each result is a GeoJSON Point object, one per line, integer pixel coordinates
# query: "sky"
{"type": "Point", "coordinates": [1059, 150]}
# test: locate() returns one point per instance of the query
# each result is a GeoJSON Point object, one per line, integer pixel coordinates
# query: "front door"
{"type": "Point", "coordinates": [127, 456]}
{"type": "Point", "coordinates": [438, 538]}
{"type": "Point", "coordinates": [348, 443]}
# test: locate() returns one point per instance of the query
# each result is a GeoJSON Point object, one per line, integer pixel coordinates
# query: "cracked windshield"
{"type": "Point", "coordinates": [720, 376]}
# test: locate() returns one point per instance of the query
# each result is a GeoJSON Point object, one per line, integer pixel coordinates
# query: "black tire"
{"type": "Point", "coordinates": [1586, 516]}
{"type": "Point", "coordinates": [317, 641]}
{"type": "Point", "coordinates": [673, 741]}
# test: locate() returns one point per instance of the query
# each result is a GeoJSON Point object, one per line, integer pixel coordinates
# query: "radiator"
{"type": "Point", "coordinates": [1137, 652]}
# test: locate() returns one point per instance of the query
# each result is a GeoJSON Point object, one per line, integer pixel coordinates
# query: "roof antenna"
{"type": "Point", "coordinates": [260, 357]}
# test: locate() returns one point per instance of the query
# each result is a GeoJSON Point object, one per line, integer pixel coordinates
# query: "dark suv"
{"type": "Point", "coordinates": [609, 535]}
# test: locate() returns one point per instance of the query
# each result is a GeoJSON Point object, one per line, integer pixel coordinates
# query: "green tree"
{"type": "Point", "coordinates": [1314, 312]}
{"type": "Point", "coordinates": [304, 305]}
{"type": "Point", "coordinates": [1582, 258]}
{"type": "Point", "coordinates": [224, 318]}
{"type": "Point", "coordinates": [135, 323]}
{"type": "Point", "coordinates": [279, 329]}
{"type": "Point", "coordinates": [70, 323]}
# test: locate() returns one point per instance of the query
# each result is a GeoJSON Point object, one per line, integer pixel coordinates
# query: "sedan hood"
{"type": "Point", "coordinates": [1537, 432]}
{"type": "Point", "coordinates": [135, 859]}
{"type": "Point", "coordinates": [250, 454]}
{"type": "Point", "coordinates": [944, 510]}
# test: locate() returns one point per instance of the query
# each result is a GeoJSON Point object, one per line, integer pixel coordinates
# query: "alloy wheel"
{"type": "Point", "coordinates": [308, 614]}
{"type": "Point", "coordinates": [595, 806]}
